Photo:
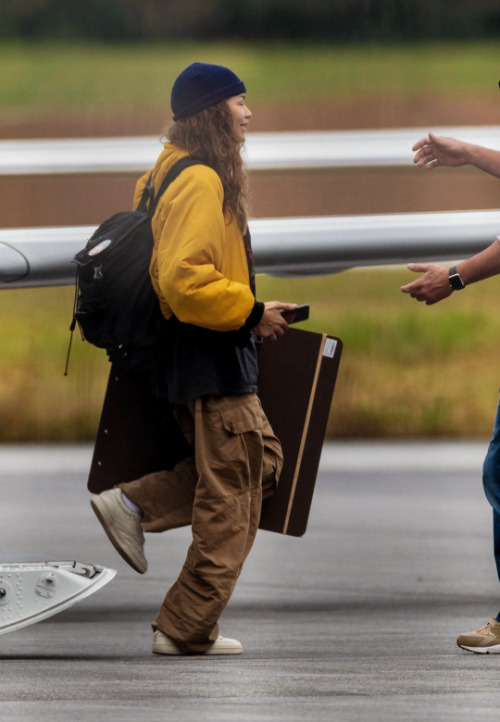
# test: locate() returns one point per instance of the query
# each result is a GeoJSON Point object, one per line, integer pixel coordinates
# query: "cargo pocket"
{"type": "Point", "coordinates": [234, 448]}
{"type": "Point", "coordinates": [242, 415]}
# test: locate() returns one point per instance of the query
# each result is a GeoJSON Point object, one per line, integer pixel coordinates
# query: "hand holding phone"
{"type": "Point", "coordinates": [301, 313]}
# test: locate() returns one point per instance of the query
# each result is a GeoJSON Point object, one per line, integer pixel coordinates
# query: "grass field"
{"type": "Point", "coordinates": [407, 370]}
{"type": "Point", "coordinates": [43, 77]}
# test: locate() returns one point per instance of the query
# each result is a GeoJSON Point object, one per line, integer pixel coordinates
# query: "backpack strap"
{"type": "Point", "coordinates": [172, 174]}
{"type": "Point", "coordinates": [147, 195]}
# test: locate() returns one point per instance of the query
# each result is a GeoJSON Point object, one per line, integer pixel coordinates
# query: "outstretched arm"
{"type": "Point", "coordinates": [433, 285]}
{"type": "Point", "coordinates": [433, 151]}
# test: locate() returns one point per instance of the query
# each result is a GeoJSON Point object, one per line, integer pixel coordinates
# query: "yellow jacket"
{"type": "Point", "coordinates": [199, 267]}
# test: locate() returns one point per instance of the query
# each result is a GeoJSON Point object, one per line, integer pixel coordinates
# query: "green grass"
{"type": "Point", "coordinates": [49, 77]}
{"type": "Point", "coordinates": [407, 370]}
{"type": "Point", "coordinates": [37, 400]}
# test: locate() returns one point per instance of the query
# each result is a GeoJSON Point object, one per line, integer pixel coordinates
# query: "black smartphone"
{"type": "Point", "coordinates": [301, 313]}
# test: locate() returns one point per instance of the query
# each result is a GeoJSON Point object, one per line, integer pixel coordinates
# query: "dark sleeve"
{"type": "Point", "coordinates": [255, 315]}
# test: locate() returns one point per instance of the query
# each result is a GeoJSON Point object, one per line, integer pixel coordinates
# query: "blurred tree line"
{"type": "Point", "coordinates": [326, 20]}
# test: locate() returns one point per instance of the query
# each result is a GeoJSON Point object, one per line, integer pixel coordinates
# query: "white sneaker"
{"type": "Point", "coordinates": [162, 644]}
{"type": "Point", "coordinates": [123, 527]}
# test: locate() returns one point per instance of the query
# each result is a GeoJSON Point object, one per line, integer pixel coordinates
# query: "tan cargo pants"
{"type": "Point", "coordinates": [219, 492]}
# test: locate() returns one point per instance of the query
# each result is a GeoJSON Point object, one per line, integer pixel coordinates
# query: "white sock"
{"type": "Point", "coordinates": [133, 507]}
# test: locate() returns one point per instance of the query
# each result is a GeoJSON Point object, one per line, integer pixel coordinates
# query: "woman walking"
{"type": "Point", "coordinates": [202, 271]}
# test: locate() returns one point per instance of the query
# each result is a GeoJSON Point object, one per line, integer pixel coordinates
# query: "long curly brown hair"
{"type": "Point", "coordinates": [208, 135]}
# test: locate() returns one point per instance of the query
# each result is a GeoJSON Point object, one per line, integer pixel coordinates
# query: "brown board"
{"type": "Point", "coordinates": [137, 433]}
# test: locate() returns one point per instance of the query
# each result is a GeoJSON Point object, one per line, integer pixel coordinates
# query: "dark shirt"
{"type": "Point", "coordinates": [200, 362]}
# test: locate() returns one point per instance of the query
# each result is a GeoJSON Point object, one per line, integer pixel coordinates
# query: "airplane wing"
{"type": "Point", "coordinates": [263, 152]}
{"type": "Point", "coordinates": [282, 246]}
{"type": "Point", "coordinates": [33, 591]}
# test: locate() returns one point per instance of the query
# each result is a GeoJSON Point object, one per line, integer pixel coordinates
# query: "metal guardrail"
{"type": "Point", "coordinates": [264, 151]}
{"type": "Point", "coordinates": [282, 246]}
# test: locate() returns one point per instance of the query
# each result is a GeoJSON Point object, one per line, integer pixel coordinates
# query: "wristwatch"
{"type": "Point", "coordinates": [454, 278]}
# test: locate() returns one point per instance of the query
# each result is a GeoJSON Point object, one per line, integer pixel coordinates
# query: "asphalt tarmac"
{"type": "Point", "coordinates": [357, 620]}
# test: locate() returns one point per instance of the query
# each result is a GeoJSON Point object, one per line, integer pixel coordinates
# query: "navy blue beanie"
{"type": "Point", "coordinates": [201, 85]}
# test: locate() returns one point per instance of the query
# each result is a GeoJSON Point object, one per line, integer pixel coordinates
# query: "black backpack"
{"type": "Point", "coordinates": [115, 305]}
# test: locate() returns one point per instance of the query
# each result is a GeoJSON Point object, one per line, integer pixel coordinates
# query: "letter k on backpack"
{"type": "Point", "coordinates": [115, 306]}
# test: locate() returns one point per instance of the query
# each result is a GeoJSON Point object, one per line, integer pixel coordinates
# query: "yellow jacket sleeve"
{"type": "Point", "coordinates": [202, 269]}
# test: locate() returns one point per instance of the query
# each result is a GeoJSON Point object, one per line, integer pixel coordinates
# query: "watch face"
{"type": "Point", "coordinates": [456, 282]}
